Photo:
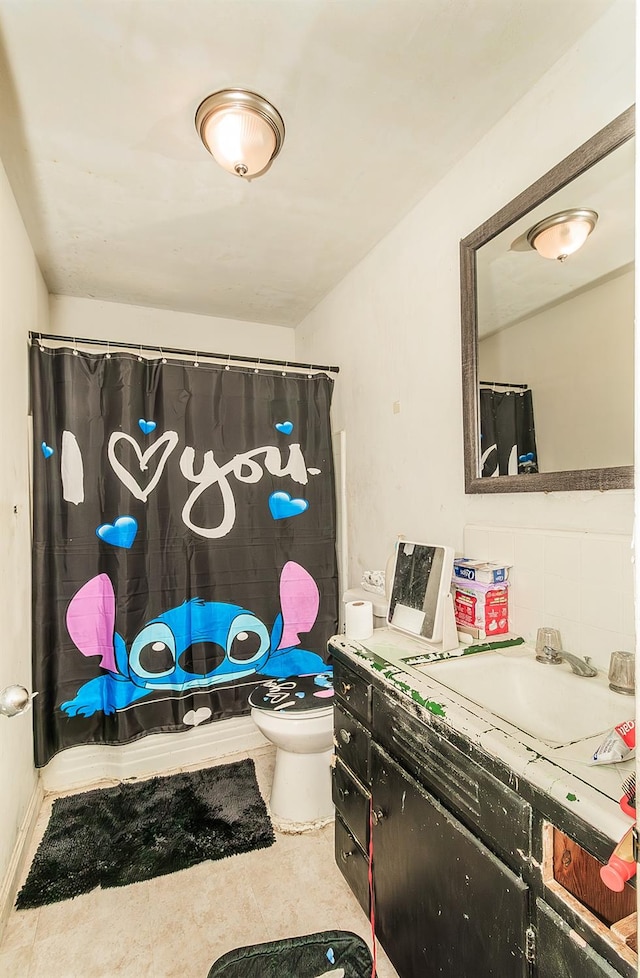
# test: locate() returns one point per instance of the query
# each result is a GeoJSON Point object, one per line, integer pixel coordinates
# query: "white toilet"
{"type": "Point", "coordinates": [296, 715]}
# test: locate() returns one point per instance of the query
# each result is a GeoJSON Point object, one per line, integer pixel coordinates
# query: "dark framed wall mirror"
{"type": "Point", "coordinates": [547, 342]}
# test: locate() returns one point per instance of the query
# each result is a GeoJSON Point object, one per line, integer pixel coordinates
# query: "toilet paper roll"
{"type": "Point", "coordinates": [358, 619]}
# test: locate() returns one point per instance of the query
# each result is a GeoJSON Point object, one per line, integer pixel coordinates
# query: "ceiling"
{"type": "Point", "coordinates": [379, 98]}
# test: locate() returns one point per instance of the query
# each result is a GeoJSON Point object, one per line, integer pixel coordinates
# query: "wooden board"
{"type": "Point", "coordinates": [627, 930]}
{"type": "Point", "coordinates": [579, 873]}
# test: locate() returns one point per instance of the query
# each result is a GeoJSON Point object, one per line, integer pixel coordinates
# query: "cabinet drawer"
{"type": "Point", "coordinates": [352, 743]}
{"type": "Point", "coordinates": [353, 691]}
{"type": "Point", "coordinates": [492, 809]}
{"type": "Point", "coordinates": [560, 955]}
{"type": "Point", "coordinates": [352, 802]}
{"type": "Point", "coordinates": [352, 864]}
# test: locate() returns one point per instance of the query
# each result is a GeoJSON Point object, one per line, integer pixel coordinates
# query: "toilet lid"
{"type": "Point", "coordinates": [295, 694]}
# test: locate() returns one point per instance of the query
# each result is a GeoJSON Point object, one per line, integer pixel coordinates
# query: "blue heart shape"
{"type": "Point", "coordinates": [300, 695]}
{"type": "Point", "coordinates": [286, 427]}
{"type": "Point", "coordinates": [146, 427]}
{"type": "Point", "coordinates": [331, 956]}
{"type": "Point", "coordinates": [282, 505]}
{"type": "Point", "coordinates": [120, 533]}
{"type": "Point", "coordinates": [47, 450]}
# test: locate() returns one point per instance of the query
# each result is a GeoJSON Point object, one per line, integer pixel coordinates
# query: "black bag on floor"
{"type": "Point", "coordinates": [309, 956]}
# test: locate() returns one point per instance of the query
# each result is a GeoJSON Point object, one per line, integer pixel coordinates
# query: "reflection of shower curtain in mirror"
{"type": "Point", "coordinates": [507, 433]}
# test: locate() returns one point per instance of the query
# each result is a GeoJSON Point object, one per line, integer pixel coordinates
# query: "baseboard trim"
{"type": "Point", "coordinates": [15, 868]}
{"type": "Point", "coordinates": [155, 754]}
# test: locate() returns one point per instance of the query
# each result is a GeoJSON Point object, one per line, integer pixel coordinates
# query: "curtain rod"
{"type": "Point", "coordinates": [501, 383]}
{"type": "Point", "coordinates": [183, 353]}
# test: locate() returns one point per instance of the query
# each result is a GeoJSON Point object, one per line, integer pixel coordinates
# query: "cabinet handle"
{"type": "Point", "coordinates": [345, 736]}
{"type": "Point", "coordinates": [378, 815]}
{"type": "Point", "coordinates": [344, 855]}
{"type": "Point", "coordinates": [342, 793]}
{"type": "Point", "coordinates": [345, 687]}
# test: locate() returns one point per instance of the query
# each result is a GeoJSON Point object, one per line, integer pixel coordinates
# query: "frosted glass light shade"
{"type": "Point", "coordinates": [242, 131]}
{"type": "Point", "coordinates": [562, 234]}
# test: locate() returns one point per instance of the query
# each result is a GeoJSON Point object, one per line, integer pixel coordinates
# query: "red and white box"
{"type": "Point", "coordinates": [481, 609]}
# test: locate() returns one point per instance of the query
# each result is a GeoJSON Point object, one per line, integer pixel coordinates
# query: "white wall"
{"type": "Point", "coordinates": [23, 306]}
{"type": "Point", "coordinates": [115, 321]}
{"type": "Point", "coordinates": [577, 358]}
{"type": "Point", "coordinates": [393, 324]}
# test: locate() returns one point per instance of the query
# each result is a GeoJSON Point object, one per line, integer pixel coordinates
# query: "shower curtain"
{"type": "Point", "coordinates": [507, 433]}
{"type": "Point", "coordinates": [183, 541]}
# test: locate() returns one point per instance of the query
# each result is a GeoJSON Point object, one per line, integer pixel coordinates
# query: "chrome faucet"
{"type": "Point", "coordinates": [581, 667]}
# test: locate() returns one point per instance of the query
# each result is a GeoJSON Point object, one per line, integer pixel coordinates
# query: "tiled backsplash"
{"type": "Point", "coordinates": [578, 582]}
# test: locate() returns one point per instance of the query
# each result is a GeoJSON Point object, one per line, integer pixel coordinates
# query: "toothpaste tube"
{"type": "Point", "coordinates": [617, 745]}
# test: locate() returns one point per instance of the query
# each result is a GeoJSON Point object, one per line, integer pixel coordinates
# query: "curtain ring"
{"type": "Point", "coordinates": [75, 347]}
{"type": "Point", "coordinates": [284, 372]}
{"type": "Point", "coordinates": [195, 362]}
{"type": "Point", "coordinates": [108, 353]}
{"type": "Point", "coordinates": [310, 368]}
{"type": "Point", "coordinates": [256, 370]}
{"type": "Point", "coordinates": [140, 354]}
{"type": "Point", "coordinates": [40, 342]}
{"type": "Point", "coordinates": [164, 359]}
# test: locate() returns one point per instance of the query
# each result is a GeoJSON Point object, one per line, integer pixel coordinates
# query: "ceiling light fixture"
{"type": "Point", "coordinates": [242, 131]}
{"type": "Point", "coordinates": [558, 236]}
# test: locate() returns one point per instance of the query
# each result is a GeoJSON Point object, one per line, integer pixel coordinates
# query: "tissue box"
{"type": "Point", "coordinates": [481, 609]}
{"type": "Point", "coordinates": [482, 571]}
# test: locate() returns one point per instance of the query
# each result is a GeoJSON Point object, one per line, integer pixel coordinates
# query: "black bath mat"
{"type": "Point", "coordinates": [114, 836]}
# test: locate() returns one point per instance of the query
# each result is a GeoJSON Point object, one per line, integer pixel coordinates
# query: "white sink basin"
{"type": "Point", "coordinates": [548, 702]}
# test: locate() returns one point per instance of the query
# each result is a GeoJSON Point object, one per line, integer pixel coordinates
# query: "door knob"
{"type": "Point", "coordinates": [342, 793]}
{"type": "Point", "coordinates": [344, 855]}
{"type": "Point", "coordinates": [345, 687]}
{"type": "Point", "coordinates": [378, 815]}
{"type": "Point", "coordinates": [15, 700]}
{"type": "Point", "coordinates": [345, 736]}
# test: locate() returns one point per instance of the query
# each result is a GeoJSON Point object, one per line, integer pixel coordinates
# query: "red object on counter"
{"type": "Point", "coordinates": [621, 865]}
{"type": "Point", "coordinates": [628, 800]}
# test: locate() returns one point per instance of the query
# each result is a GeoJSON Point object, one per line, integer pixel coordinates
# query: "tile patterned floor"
{"type": "Point", "coordinates": [176, 926]}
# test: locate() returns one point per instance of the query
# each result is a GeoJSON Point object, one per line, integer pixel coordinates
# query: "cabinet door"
{"type": "Point", "coordinates": [560, 954]}
{"type": "Point", "coordinates": [445, 906]}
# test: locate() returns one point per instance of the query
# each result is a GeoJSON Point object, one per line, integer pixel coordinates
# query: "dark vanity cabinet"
{"type": "Point", "coordinates": [456, 852]}
{"type": "Point", "coordinates": [444, 905]}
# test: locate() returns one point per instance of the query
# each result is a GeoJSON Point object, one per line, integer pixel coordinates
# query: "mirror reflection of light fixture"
{"type": "Point", "coordinates": [558, 236]}
{"type": "Point", "coordinates": [242, 131]}
{"type": "Point", "coordinates": [15, 700]}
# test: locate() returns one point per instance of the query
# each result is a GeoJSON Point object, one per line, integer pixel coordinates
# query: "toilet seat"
{"type": "Point", "coordinates": [297, 714]}
{"type": "Point", "coordinates": [295, 696]}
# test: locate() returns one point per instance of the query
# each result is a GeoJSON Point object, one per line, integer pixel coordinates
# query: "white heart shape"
{"type": "Point", "coordinates": [169, 439]}
{"type": "Point", "coordinates": [194, 717]}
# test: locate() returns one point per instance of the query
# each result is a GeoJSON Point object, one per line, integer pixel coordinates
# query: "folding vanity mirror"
{"type": "Point", "coordinates": [421, 604]}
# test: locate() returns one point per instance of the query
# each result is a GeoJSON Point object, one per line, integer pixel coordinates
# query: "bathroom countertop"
{"type": "Point", "coordinates": [590, 792]}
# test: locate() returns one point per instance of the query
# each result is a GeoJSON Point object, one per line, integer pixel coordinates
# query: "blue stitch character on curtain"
{"type": "Point", "coordinates": [174, 651]}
